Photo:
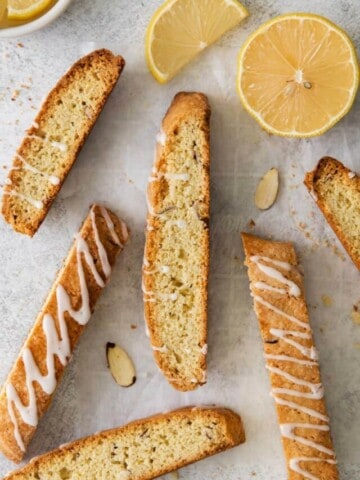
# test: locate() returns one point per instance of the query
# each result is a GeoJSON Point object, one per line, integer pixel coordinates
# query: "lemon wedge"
{"type": "Point", "coordinates": [298, 75]}
{"type": "Point", "coordinates": [180, 29]}
{"type": "Point", "coordinates": [26, 9]}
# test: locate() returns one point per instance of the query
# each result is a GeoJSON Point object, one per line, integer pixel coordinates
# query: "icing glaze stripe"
{"type": "Point", "coordinates": [287, 431]}
{"type": "Point", "coordinates": [295, 467]}
{"type": "Point", "coordinates": [53, 179]}
{"type": "Point", "coordinates": [271, 272]}
{"type": "Point", "coordinates": [57, 344]}
{"type": "Point", "coordinates": [315, 390]}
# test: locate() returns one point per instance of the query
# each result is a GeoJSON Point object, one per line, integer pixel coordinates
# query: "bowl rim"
{"type": "Point", "coordinates": [56, 10]}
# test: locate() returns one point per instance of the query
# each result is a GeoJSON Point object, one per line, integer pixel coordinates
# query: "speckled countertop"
{"type": "Point", "coordinates": [113, 168]}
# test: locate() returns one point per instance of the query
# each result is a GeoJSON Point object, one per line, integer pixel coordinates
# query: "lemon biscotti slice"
{"type": "Point", "coordinates": [336, 190]}
{"type": "Point", "coordinates": [176, 260]}
{"type": "Point", "coordinates": [277, 289]}
{"type": "Point", "coordinates": [51, 145]}
{"type": "Point", "coordinates": [143, 449]}
{"type": "Point", "coordinates": [30, 385]}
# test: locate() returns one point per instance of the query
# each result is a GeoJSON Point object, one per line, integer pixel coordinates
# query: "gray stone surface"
{"type": "Point", "coordinates": [113, 168]}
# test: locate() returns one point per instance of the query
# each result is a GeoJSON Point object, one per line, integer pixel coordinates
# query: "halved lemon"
{"type": "Point", "coordinates": [26, 9]}
{"type": "Point", "coordinates": [298, 75]}
{"type": "Point", "coordinates": [180, 29]}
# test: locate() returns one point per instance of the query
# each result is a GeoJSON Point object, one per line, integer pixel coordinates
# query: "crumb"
{"type": "Point", "coordinates": [356, 308]}
{"type": "Point", "coordinates": [302, 225]}
{"type": "Point", "coordinates": [4, 167]}
{"type": "Point", "coordinates": [25, 85]}
{"type": "Point", "coordinates": [251, 223]}
{"type": "Point", "coordinates": [326, 300]}
{"type": "Point", "coordinates": [174, 475]}
{"type": "Point", "coordinates": [355, 317]}
{"type": "Point", "coordinates": [20, 45]}
{"type": "Point", "coordinates": [321, 330]}
{"type": "Point", "coordinates": [133, 326]}
{"type": "Point", "coordinates": [253, 474]}
{"type": "Point", "coordinates": [131, 181]}
{"type": "Point", "coordinates": [14, 95]}
{"type": "Point", "coordinates": [357, 345]}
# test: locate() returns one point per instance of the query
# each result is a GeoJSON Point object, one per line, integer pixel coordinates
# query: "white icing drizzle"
{"type": "Point", "coordinates": [162, 349]}
{"type": "Point", "coordinates": [271, 272]}
{"type": "Point", "coordinates": [35, 203]}
{"type": "Point", "coordinates": [315, 390]}
{"type": "Point", "coordinates": [296, 406]}
{"type": "Point", "coordinates": [8, 181]}
{"type": "Point", "coordinates": [204, 349]}
{"type": "Point", "coordinates": [53, 179]}
{"type": "Point", "coordinates": [35, 124]}
{"type": "Point", "coordinates": [100, 247]}
{"type": "Point", "coordinates": [161, 296]}
{"type": "Point", "coordinates": [57, 344]}
{"type": "Point", "coordinates": [291, 318]}
{"type": "Point", "coordinates": [284, 334]}
{"type": "Point", "coordinates": [162, 269]}
{"type": "Point", "coordinates": [288, 431]}
{"type": "Point", "coordinates": [161, 137]}
{"type": "Point", "coordinates": [351, 175]}
{"type": "Point", "coordinates": [294, 465]}
{"type": "Point", "coordinates": [265, 286]}
{"type": "Point", "coordinates": [111, 228]}
{"type": "Point", "coordinates": [178, 223]}
{"type": "Point", "coordinates": [59, 145]}
{"type": "Point", "coordinates": [287, 358]}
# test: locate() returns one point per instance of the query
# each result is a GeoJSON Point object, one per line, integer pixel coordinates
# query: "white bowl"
{"type": "Point", "coordinates": [38, 23]}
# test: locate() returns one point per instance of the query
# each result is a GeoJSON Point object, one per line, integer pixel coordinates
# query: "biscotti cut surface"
{"type": "Point", "coordinates": [141, 450]}
{"type": "Point", "coordinates": [176, 259]}
{"type": "Point", "coordinates": [30, 386]}
{"type": "Point", "coordinates": [336, 190]}
{"type": "Point", "coordinates": [277, 289]}
{"type": "Point", "coordinates": [52, 143]}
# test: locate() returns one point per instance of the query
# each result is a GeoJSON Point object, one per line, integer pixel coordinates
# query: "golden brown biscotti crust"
{"type": "Point", "coordinates": [185, 105]}
{"type": "Point", "coordinates": [231, 422]}
{"type": "Point", "coordinates": [37, 343]}
{"type": "Point", "coordinates": [108, 68]}
{"type": "Point", "coordinates": [330, 168]}
{"type": "Point", "coordinates": [277, 289]}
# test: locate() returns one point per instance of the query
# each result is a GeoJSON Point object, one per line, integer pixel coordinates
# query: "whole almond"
{"type": "Point", "coordinates": [267, 189]}
{"type": "Point", "coordinates": [120, 364]}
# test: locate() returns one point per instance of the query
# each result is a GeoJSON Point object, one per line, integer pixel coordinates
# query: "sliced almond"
{"type": "Point", "coordinates": [121, 366]}
{"type": "Point", "coordinates": [267, 189]}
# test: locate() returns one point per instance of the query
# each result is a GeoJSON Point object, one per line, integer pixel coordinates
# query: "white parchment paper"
{"type": "Point", "coordinates": [113, 168]}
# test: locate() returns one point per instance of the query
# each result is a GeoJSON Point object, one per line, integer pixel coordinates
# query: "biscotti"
{"type": "Point", "coordinates": [336, 190]}
{"type": "Point", "coordinates": [176, 260]}
{"type": "Point", "coordinates": [291, 358]}
{"type": "Point", "coordinates": [29, 388]}
{"type": "Point", "coordinates": [51, 145]}
{"type": "Point", "coordinates": [141, 450]}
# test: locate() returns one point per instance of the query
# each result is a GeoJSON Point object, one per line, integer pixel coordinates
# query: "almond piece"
{"type": "Point", "coordinates": [121, 366]}
{"type": "Point", "coordinates": [267, 189]}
